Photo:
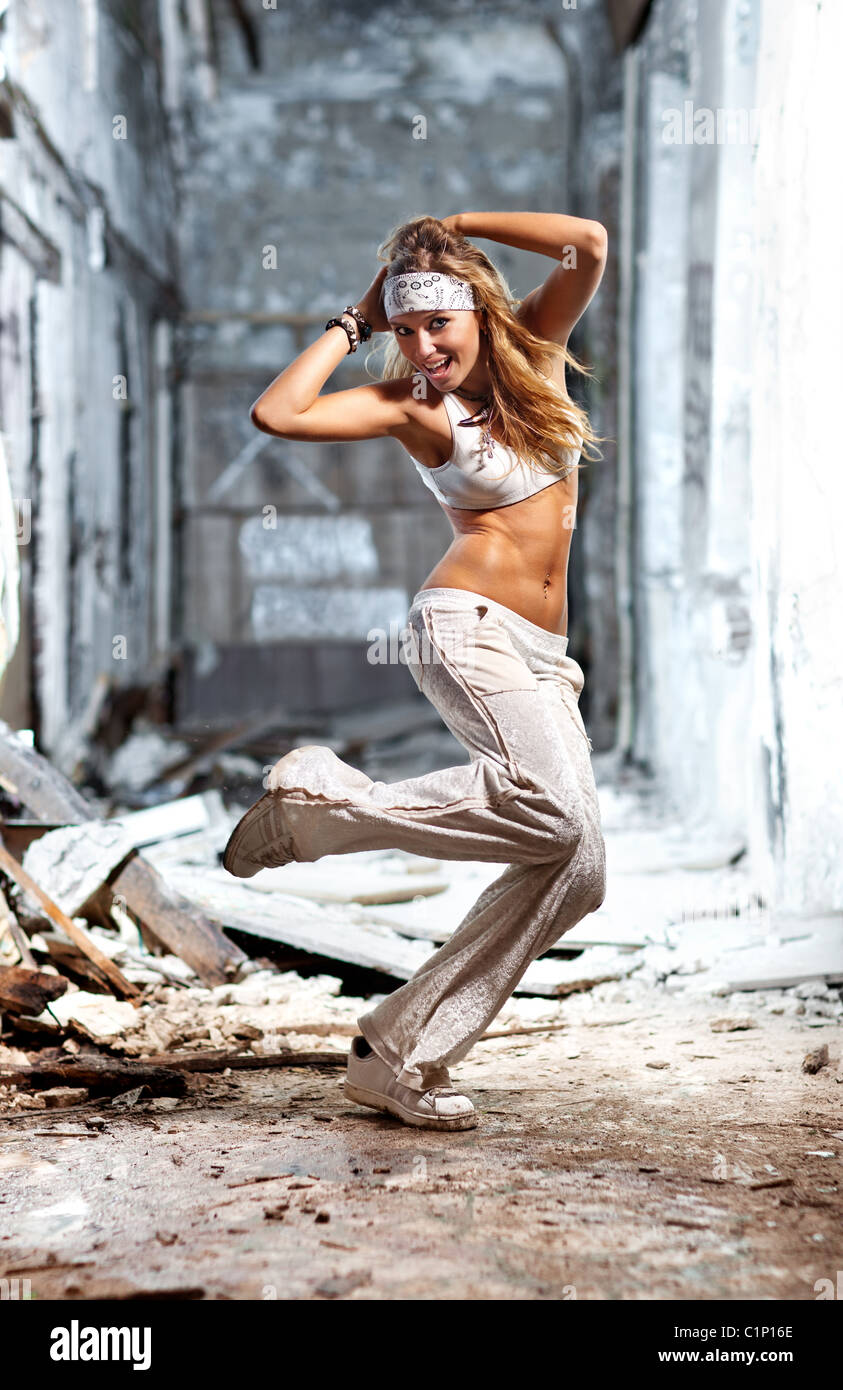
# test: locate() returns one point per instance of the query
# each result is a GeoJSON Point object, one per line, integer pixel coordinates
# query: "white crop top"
{"type": "Point", "coordinates": [471, 481]}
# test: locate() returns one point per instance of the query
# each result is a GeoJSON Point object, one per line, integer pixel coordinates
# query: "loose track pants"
{"type": "Point", "coordinates": [509, 692]}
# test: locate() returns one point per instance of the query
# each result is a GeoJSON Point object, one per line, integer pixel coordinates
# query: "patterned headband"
{"type": "Point", "coordinates": [425, 289]}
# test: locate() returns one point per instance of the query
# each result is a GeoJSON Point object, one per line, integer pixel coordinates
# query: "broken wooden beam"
{"type": "Point", "coordinates": [108, 1074]}
{"type": "Point", "coordinates": [10, 926]}
{"type": "Point", "coordinates": [60, 919]}
{"type": "Point", "coordinates": [244, 1061]}
{"type": "Point", "coordinates": [24, 991]}
{"type": "Point", "coordinates": [182, 927]}
{"type": "Point", "coordinates": [178, 924]}
{"type": "Point", "coordinates": [69, 960]}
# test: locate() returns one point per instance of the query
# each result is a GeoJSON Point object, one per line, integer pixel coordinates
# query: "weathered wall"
{"type": "Point", "coordinates": [160, 520]}
{"type": "Point", "coordinates": [86, 287]}
{"type": "Point", "coordinates": [794, 738]}
{"type": "Point", "coordinates": [690, 382]}
{"type": "Point", "coordinates": [294, 171]}
{"type": "Point", "coordinates": [736, 503]}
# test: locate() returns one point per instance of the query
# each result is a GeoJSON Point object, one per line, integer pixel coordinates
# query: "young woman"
{"type": "Point", "coordinates": [474, 389]}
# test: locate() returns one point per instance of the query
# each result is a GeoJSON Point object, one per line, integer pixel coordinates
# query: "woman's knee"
{"type": "Point", "coordinates": [591, 871]}
{"type": "Point", "coordinates": [595, 875]}
{"type": "Point", "coordinates": [563, 821]}
{"type": "Point", "coordinates": [585, 858]}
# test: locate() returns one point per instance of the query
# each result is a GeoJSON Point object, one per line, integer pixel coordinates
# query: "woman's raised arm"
{"type": "Point", "coordinates": [292, 408]}
{"type": "Point", "coordinates": [580, 246]}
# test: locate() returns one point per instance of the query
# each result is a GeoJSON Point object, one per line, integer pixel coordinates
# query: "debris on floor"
{"type": "Point", "coordinates": [125, 945]}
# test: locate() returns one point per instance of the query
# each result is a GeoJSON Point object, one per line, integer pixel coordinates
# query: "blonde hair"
{"type": "Point", "coordinates": [536, 419]}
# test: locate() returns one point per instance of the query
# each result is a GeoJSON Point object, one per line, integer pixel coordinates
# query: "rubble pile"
{"type": "Point", "coordinates": [129, 957]}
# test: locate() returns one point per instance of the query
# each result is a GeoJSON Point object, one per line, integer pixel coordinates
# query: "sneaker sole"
{"type": "Point", "coordinates": [376, 1101]}
{"type": "Point", "coordinates": [233, 859]}
{"type": "Point", "coordinates": [242, 867]}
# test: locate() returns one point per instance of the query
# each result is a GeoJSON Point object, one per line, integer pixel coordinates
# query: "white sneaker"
{"type": "Point", "coordinates": [261, 838]}
{"type": "Point", "coordinates": [369, 1081]}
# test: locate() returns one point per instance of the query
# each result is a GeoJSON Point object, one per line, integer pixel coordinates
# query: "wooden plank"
{"type": "Point", "coordinates": [297, 922]}
{"type": "Point", "coordinates": [240, 1061]}
{"type": "Point", "coordinates": [60, 919]}
{"type": "Point", "coordinates": [34, 780]}
{"type": "Point", "coordinates": [180, 924]}
{"type": "Point", "coordinates": [69, 959]}
{"type": "Point", "coordinates": [109, 1074]}
{"type": "Point", "coordinates": [172, 819]}
{"type": "Point", "coordinates": [9, 923]}
{"type": "Point", "coordinates": [177, 923]}
{"type": "Point", "coordinates": [349, 883]}
{"type": "Point", "coordinates": [328, 932]}
{"type": "Point", "coordinates": [25, 991]}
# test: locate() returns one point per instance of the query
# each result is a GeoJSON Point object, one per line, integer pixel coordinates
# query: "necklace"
{"type": "Point", "coordinates": [482, 418]}
{"type": "Point", "coordinates": [483, 396]}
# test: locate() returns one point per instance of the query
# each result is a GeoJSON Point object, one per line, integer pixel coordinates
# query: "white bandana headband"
{"type": "Point", "coordinates": [425, 289]}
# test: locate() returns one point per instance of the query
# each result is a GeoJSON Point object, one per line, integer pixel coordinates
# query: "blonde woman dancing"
{"type": "Point", "coordinates": [474, 389]}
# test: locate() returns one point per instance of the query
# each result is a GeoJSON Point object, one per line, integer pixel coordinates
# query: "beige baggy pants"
{"type": "Point", "coordinates": [509, 692]}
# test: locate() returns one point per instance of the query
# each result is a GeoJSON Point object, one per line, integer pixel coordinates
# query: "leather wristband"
{"type": "Point", "coordinates": [365, 329]}
{"type": "Point", "coordinates": [353, 334]}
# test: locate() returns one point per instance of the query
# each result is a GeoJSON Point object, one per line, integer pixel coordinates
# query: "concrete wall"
{"type": "Point", "coordinates": [794, 739]}
{"type": "Point", "coordinates": [689, 381]}
{"type": "Point", "coordinates": [294, 171]}
{"type": "Point", "coordinates": [87, 260]}
{"type": "Point", "coordinates": [267, 152]}
{"type": "Point", "coordinates": [731, 306]}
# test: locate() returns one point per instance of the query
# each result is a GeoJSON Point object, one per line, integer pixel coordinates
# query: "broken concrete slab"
{"type": "Point", "coordinates": [328, 882]}
{"type": "Point", "coordinates": [297, 922]}
{"type": "Point", "coordinates": [101, 1016]}
{"type": "Point", "coordinates": [174, 921]}
{"type": "Point", "coordinates": [77, 859]}
{"type": "Point", "coordinates": [77, 934]}
{"type": "Point", "coordinates": [556, 978]}
{"type": "Point", "coordinates": [331, 932]}
{"type": "Point", "coordinates": [773, 963]}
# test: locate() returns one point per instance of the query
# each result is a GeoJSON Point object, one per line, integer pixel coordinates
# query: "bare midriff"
{"type": "Point", "coordinates": [515, 555]}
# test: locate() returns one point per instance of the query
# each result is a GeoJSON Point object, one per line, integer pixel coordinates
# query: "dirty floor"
{"type": "Point", "coordinates": [633, 1154]}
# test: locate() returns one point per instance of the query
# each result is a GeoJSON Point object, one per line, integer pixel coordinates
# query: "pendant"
{"type": "Point", "coordinates": [482, 420]}
{"type": "Point", "coordinates": [487, 441]}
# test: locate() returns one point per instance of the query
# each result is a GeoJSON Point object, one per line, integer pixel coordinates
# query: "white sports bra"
{"type": "Point", "coordinates": [472, 481]}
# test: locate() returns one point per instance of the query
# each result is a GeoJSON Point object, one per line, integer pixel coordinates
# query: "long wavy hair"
{"type": "Point", "coordinates": [535, 418]}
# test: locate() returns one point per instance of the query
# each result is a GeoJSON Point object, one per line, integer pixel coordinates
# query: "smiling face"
{"type": "Point", "coordinates": [429, 336]}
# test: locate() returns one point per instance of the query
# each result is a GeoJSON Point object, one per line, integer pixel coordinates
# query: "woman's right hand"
{"type": "Point", "coordinates": [371, 307]}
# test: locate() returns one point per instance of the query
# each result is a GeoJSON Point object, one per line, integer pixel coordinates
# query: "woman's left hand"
{"type": "Point", "coordinates": [371, 305]}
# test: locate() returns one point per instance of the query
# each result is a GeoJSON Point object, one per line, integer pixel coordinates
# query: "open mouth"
{"type": "Point", "coordinates": [440, 368]}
